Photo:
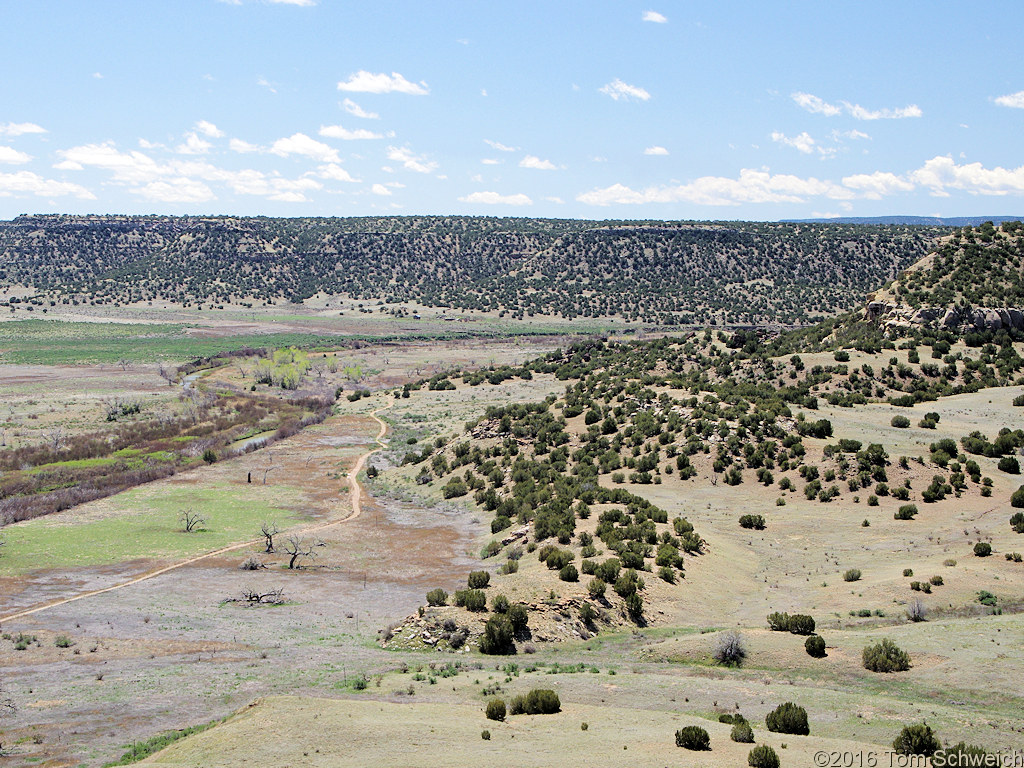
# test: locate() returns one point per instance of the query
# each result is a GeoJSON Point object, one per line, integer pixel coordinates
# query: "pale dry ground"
{"type": "Point", "coordinates": [360, 733]}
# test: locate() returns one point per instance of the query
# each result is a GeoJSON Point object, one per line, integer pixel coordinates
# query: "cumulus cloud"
{"type": "Point", "coordinates": [27, 183]}
{"type": "Point", "coordinates": [655, 150]}
{"type": "Point", "coordinates": [207, 128]}
{"type": "Point", "coordinates": [380, 189]}
{"type": "Point", "coordinates": [655, 17]}
{"type": "Point", "coordinates": [303, 3]}
{"type": "Point", "coordinates": [942, 173]}
{"type": "Point", "coordinates": [17, 129]}
{"type": "Point", "coordinates": [369, 82]}
{"type": "Point", "coordinates": [875, 186]}
{"type": "Point", "coordinates": [177, 190]}
{"type": "Point", "coordinates": [334, 172]}
{"type": "Point", "coordinates": [410, 161]}
{"type": "Point", "coordinates": [752, 186]}
{"type": "Point", "coordinates": [496, 198]}
{"type": "Point", "coordinates": [814, 104]}
{"type": "Point", "coordinates": [338, 132]}
{"type": "Point", "coordinates": [490, 161]}
{"type": "Point", "coordinates": [532, 161]}
{"type": "Point", "coordinates": [12, 156]}
{"type": "Point", "coordinates": [242, 147]}
{"type": "Point", "coordinates": [357, 111]}
{"type": "Point", "coordinates": [262, 81]}
{"type": "Point", "coordinates": [1015, 100]}
{"type": "Point", "coordinates": [194, 145]}
{"type": "Point", "coordinates": [499, 146]}
{"type": "Point", "coordinates": [620, 90]}
{"type": "Point", "coordinates": [301, 144]}
{"type": "Point", "coordinates": [803, 143]}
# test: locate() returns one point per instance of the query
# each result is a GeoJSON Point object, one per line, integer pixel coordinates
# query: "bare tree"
{"type": "Point", "coordinates": [125, 363]}
{"type": "Point", "coordinates": [255, 597]}
{"type": "Point", "coordinates": [168, 374]}
{"type": "Point", "coordinates": [191, 520]}
{"type": "Point", "coordinates": [917, 611]}
{"type": "Point", "coordinates": [729, 649]}
{"type": "Point", "coordinates": [55, 437]}
{"type": "Point", "coordinates": [269, 531]}
{"type": "Point", "coordinates": [297, 547]}
{"type": "Point", "coordinates": [112, 407]}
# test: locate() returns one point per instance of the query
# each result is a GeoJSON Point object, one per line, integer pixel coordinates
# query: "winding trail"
{"type": "Point", "coordinates": [355, 493]}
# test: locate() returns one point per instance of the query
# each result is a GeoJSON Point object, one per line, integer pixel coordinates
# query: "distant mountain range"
{"type": "Point", "coordinates": [934, 221]}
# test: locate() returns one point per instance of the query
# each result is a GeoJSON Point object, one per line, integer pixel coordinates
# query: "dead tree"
{"type": "Point", "coordinates": [124, 362]}
{"type": "Point", "coordinates": [269, 531]}
{"type": "Point", "coordinates": [297, 547]}
{"type": "Point", "coordinates": [168, 374]}
{"type": "Point", "coordinates": [55, 436]}
{"type": "Point", "coordinates": [191, 520]}
{"type": "Point", "coordinates": [255, 597]}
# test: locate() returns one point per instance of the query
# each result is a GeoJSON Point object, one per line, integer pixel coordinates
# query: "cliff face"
{"type": "Point", "coordinates": [894, 316]}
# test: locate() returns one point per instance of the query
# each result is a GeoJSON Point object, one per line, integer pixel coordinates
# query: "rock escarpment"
{"type": "Point", "coordinates": [894, 316]}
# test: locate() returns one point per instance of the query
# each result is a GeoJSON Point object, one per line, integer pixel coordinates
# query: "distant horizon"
{"type": "Point", "coordinates": [725, 111]}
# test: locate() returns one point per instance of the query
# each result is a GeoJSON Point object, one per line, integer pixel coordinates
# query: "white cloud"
{"type": "Point", "coordinates": [12, 156]}
{"type": "Point", "coordinates": [334, 172]}
{"type": "Point", "coordinates": [301, 144]}
{"type": "Point", "coordinates": [209, 129]}
{"type": "Point", "coordinates": [266, 84]}
{"type": "Point", "coordinates": [411, 162]}
{"type": "Point", "coordinates": [369, 82]}
{"type": "Point", "coordinates": [532, 161]}
{"type": "Point", "coordinates": [861, 113]}
{"type": "Point", "coordinates": [752, 186]}
{"type": "Point", "coordinates": [303, 3]}
{"type": "Point", "coordinates": [490, 161]}
{"type": "Point", "coordinates": [813, 104]}
{"type": "Point", "coordinates": [854, 135]}
{"type": "Point", "coordinates": [17, 129]}
{"type": "Point", "coordinates": [380, 189]}
{"type": "Point", "coordinates": [942, 173]}
{"type": "Point", "coordinates": [877, 185]}
{"type": "Point", "coordinates": [176, 190]}
{"type": "Point", "coordinates": [1015, 100]}
{"type": "Point", "coordinates": [816, 105]}
{"type": "Point", "coordinates": [243, 147]}
{"type": "Point", "coordinates": [556, 200]}
{"type": "Point", "coordinates": [127, 167]}
{"type": "Point", "coordinates": [655, 17]}
{"type": "Point", "coordinates": [193, 145]}
{"type": "Point", "coordinates": [499, 146]}
{"type": "Point", "coordinates": [620, 90]}
{"type": "Point", "coordinates": [338, 132]}
{"type": "Point", "coordinates": [495, 198]}
{"type": "Point", "coordinates": [146, 144]}
{"type": "Point", "coordinates": [28, 183]}
{"type": "Point", "coordinates": [98, 75]}
{"type": "Point", "coordinates": [655, 150]}
{"type": "Point", "coordinates": [357, 111]}
{"type": "Point", "coordinates": [803, 143]}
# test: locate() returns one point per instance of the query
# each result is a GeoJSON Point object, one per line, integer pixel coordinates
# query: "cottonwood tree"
{"type": "Point", "coordinates": [269, 530]}
{"type": "Point", "coordinates": [168, 374]}
{"type": "Point", "coordinates": [191, 520]}
{"type": "Point", "coordinates": [298, 547]}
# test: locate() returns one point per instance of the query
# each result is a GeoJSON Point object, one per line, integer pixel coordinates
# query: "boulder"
{"type": "Point", "coordinates": [1016, 318]}
{"type": "Point", "coordinates": [951, 318]}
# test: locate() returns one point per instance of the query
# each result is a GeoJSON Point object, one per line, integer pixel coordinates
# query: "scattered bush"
{"type": "Point", "coordinates": [437, 597]}
{"type": "Point", "coordinates": [693, 737]}
{"type": "Point", "coordinates": [916, 611]}
{"type": "Point", "coordinates": [569, 573]}
{"type": "Point", "coordinates": [815, 646]}
{"type": "Point", "coordinates": [1017, 499]}
{"type": "Point", "coordinates": [763, 757]}
{"type": "Point", "coordinates": [729, 649]}
{"type": "Point", "coordinates": [1009, 465]}
{"type": "Point", "coordinates": [1017, 522]}
{"type": "Point", "coordinates": [539, 701]}
{"type": "Point", "coordinates": [752, 521]}
{"type": "Point", "coordinates": [853, 574]}
{"type": "Point", "coordinates": [485, 735]}
{"type": "Point", "coordinates": [495, 710]}
{"type": "Point", "coordinates": [885, 656]}
{"type": "Point", "coordinates": [471, 599]}
{"type": "Point", "coordinates": [900, 422]}
{"type": "Point", "coordinates": [906, 512]}
{"type": "Point", "coordinates": [478, 579]}
{"type": "Point", "coordinates": [960, 753]}
{"type": "Point", "coordinates": [788, 718]}
{"type": "Point", "coordinates": [982, 549]}
{"type": "Point", "coordinates": [742, 733]}
{"type": "Point", "coordinates": [497, 639]}
{"type": "Point", "coordinates": [916, 740]}
{"type": "Point", "coordinates": [596, 589]}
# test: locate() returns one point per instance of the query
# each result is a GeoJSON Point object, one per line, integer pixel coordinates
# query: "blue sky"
{"type": "Point", "coordinates": [598, 109]}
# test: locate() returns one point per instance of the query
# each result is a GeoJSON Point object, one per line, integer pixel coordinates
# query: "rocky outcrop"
{"type": "Point", "coordinates": [896, 316]}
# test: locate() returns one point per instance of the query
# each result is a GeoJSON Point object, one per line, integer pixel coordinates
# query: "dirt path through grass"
{"type": "Point", "coordinates": [356, 494]}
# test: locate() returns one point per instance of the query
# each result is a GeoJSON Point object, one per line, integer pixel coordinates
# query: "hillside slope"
{"type": "Point", "coordinates": [657, 272]}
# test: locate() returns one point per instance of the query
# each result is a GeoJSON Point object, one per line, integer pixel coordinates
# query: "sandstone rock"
{"type": "Point", "coordinates": [951, 318]}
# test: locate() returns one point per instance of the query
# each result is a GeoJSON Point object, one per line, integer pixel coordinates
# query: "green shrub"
{"type": "Point", "coordinates": [1017, 522]}
{"type": "Point", "coordinates": [1017, 499]}
{"type": "Point", "coordinates": [569, 573]}
{"type": "Point", "coordinates": [885, 656]}
{"type": "Point", "coordinates": [742, 733]}
{"type": "Point", "coordinates": [900, 422]}
{"type": "Point", "coordinates": [752, 521]}
{"type": "Point", "coordinates": [471, 599]}
{"type": "Point", "coordinates": [63, 641]}
{"type": "Point", "coordinates": [815, 646]}
{"type": "Point", "coordinates": [916, 740]}
{"type": "Point", "coordinates": [500, 604]}
{"type": "Point", "coordinates": [437, 597]}
{"type": "Point", "coordinates": [485, 735]}
{"type": "Point", "coordinates": [788, 718]}
{"type": "Point", "coordinates": [209, 456]}
{"type": "Point", "coordinates": [498, 636]}
{"type": "Point", "coordinates": [908, 571]}
{"type": "Point", "coordinates": [853, 574]}
{"type": "Point", "coordinates": [495, 710]}
{"type": "Point", "coordinates": [960, 753]}
{"type": "Point", "coordinates": [519, 616]}
{"type": "Point", "coordinates": [596, 588]}
{"type": "Point", "coordinates": [478, 579]}
{"type": "Point", "coordinates": [1010, 465]}
{"type": "Point", "coordinates": [763, 757]}
{"type": "Point", "coordinates": [541, 701]}
{"type": "Point", "coordinates": [906, 512]}
{"type": "Point", "coordinates": [798, 623]}
{"type": "Point", "coordinates": [693, 737]}
{"type": "Point", "coordinates": [982, 549]}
